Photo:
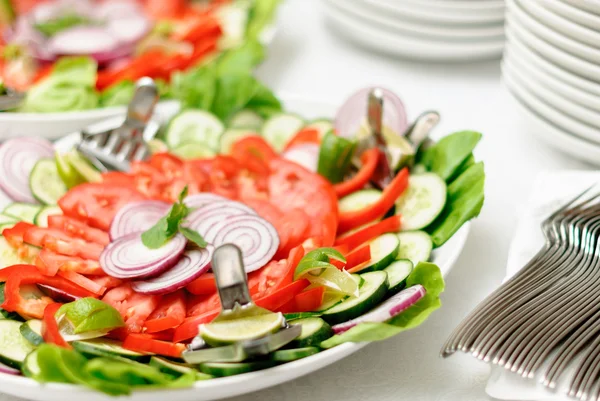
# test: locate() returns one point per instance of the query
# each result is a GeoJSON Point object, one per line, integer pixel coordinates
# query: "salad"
{"type": "Point", "coordinates": [106, 276]}
{"type": "Point", "coordinates": [71, 55]}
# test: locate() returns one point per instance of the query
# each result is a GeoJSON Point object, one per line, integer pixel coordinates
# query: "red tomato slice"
{"type": "Point", "coordinates": [168, 164]}
{"type": "Point", "coordinates": [50, 263]}
{"type": "Point", "coordinates": [293, 227]}
{"type": "Point", "coordinates": [306, 135]}
{"type": "Point", "coordinates": [118, 178]}
{"type": "Point", "coordinates": [83, 282]}
{"type": "Point", "coordinates": [135, 308]}
{"type": "Point", "coordinates": [145, 343]}
{"type": "Point", "coordinates": [170, 313]}
{"type": "Point", "coordinates": [200, 304]}
{"type": "Point", "coordinates": [78, 229]}
{"type": "Point", "coordinates": [203, 285]}
{"type": "Point", "coordinates": [107, 282]}
{"type": "Point", "coordinates": [96, 204]}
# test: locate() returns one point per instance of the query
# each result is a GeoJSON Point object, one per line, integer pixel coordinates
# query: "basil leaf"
{"type": "Point", "coordinates": [193, 236]}
{"type": "Point", "coordinates": [160, 233]}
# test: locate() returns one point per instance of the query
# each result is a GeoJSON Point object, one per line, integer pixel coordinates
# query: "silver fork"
{"type": "Point", "coordinates": [114, 143]}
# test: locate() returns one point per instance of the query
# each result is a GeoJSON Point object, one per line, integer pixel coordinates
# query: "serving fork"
{"type": "Point", "coordinates": [547, 315]}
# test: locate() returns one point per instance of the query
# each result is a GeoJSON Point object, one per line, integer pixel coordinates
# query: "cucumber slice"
{"type": "Point", "coordinates": [222, 369]}
{"type": "Point", "coordinates": [397, 273]}
{"type": "Point", "coordinates": [314, 331]}
{"type": "Point", "coordinates": [41, 219]}
{"type": "Point", "coordinates": [31, 367]}
{"type": "Point", "coordinates": [359, 200]}
{"type": "Point", "coordinates": [22, 211]}
{"type": "Point", "coordinates": [384, 250]}
{"type": "Point", "coordinates": [418, 169]}
{"type": "Point", "coordinates": [14, 348]}
{"type": "Point", "coordinates": [45, 182]}
{"type": "Point", "coordinates": [191, 151]}
{"type": "Point", "coordinates": [279, 129]}
{"type": "Point", "coordinates": [109, 348]}
{"type": "Point", "coordinates": [12, 256]}
{"type": "Point", "coordinates": [248, 119]}
{"type": "Point", "coordinates": [231, 136]}
{"type": "Point", "coordinates": [370, 294]}
{"type": "Point", "coordinates": [422, 201]}
{"type": "Point", "coordinates": [322, 125]}
{"type": "Point", "coordinates": [415, 246]}
{"type": "Point", "coordinates": [289, 355]}
{"type": "Point", "coordinates": [4, 219]}
{"type": "Point", "coordinates": [175, 369]}
{"type": "Point", "coordinates": [32, 331]}
{"type": "Point", "coordinates": [194, 126]}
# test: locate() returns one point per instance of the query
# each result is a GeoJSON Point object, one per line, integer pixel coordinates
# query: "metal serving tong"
{"type": "Point", "coordinates": [236, 303]}
{"type": "Point", "coordinates": [112, 144]}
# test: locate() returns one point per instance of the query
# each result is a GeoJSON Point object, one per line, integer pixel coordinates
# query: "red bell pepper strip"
{"type": "Point", "coordinates": [169, 314]}
{"type": "Point", "coordinates": [391, 224]}
{"type": "Point", "coordinates": [358, 256]}
{"type": "Point", "coordinates": [145, 343]}
{"type": "Point", "coordinates": [305, 135]}
{"type": "Point", "coordinates": [83, 282]}
{"type": "Point", "coordinates": [166, 335]}
{"type": "Point", "coordinates": [27, 274]}
{"type": "Point", "coordinates": [203, 285]}
{"type": "Point", "coordinates": [369, 164]}
{"type": "Point", "coordinates": [357, 218]}
{"type": "Point", "coordinates": [50, 331]}
{"type": "Point", "coordinates": [189, 328]}
{"type": "Point", "coordinates": [306, 301]}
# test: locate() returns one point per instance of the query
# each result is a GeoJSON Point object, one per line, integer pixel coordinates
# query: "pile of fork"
{"type": "Point", "coordinates": [546, 318]}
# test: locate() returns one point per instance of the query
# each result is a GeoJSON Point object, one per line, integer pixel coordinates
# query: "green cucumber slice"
{"type": "Point", "coordinates": [248, 119]}
{"type": "Point", "coordinates": [359, 200]}
{"type": "Point", "coordinates": [14, 348]}
{"type": "Point", "coordinates": [12, 256]}
{"type": "Point", "coordinates": [384, 250]}
{"type": "Point", "coordinates": [4, 219]}
{"type": "Point", "coordinates": [109, 348]}
{"type": "Point", "coordinates": [422, 201]}
{"type": "Point", "coordinates": [279, 129]}
{"type": "Point", "coordinates": [22, 211]}
{"type": "Point", "coordinates": [6, 225]}
{"type": "Point", "coordinates": [397, 273]}
{"type": "Point", "coordinates": [194, 126]}
{"type": "Point", "coordinates": [370, 294]}
{"type": "Point", "coordinates": [222, 369]}
{"type": "Point", "coordinates": [415, 246]}
{"type": "Point", "coordinates": [314, 331]}
{"type": "Point", "coordinates": [231, 136]}
{"type": "Point", "coordinates": [32, 331]}
{"type": "Point", "coordinates": [322, 125]}
{"type": "Point", "coordinates": [191, 151]}
{"type": "Point", "coordinates": [175, 369]}
{"type": "Point", "coordinates": [45, 182]}
{"type": "Point", "coordinates": [31, 367]}
{"type": "Point", "coordinates": [289, 355]}
{"type": "Point", "coordinates": [41, 219]}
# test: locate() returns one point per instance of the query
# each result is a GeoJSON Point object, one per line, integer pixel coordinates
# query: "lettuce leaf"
{"type": "Point", "coordinates": [448, 154]}
{"type": "Point", "coordinates": [118, 94]}
{"type": "Point", "coordinates": [262, 14]}
{"type": "Point", "coordinates": [426, 274]}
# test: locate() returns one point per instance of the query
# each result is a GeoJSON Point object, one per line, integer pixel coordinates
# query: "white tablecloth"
{"type": "Point", "coordinates": [309, 60]}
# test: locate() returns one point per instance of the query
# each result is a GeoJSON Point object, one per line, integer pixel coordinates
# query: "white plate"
{"type": "Point", "coordinates": [411, 28]}
{"type": "Point", "coordinates": [588, 5]}
{"type": "Point", "coordinates": [551, 114]}
{"type": "Point", "coordinates": [358, 31]}
{"type": "Point", "coordinates": [554, 54]}
{"type": "Point", "coordinates": [429, 13]}
{"type": "Point", "coordinates": [55, 125]}
{"type": "Point", "coordinates": [575, 14]}
{"type": "Point", "coordinates": [577, 83]}
{"type": "Point", "coordinates": [481, 7]}
{"type": "Point", "coordinates": [535, 124]}
{"type": "Point", "coordinates": [517, 9]}
{"type": "Point", "coordinates": [22, 387]}
{"type": "Point", "coordinates": [555, 21]}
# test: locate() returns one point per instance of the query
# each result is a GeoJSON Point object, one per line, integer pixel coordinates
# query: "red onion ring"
{"type": "Point", "coordinates": [17, 158]}
{"type": "Point", "coordinates": [137, 217]}
{"type": "Point", "coordinates": [205, 219]}
{"type": "Point", "coordinates": [193, 264]}
{"type": "Point", "coordinates": [256, 237]}
{"type": "Point", "coordinates": [8, 370]}
{"type": "Point", "coordinates": [128, 257]}
{"type": "Point", "coordinates": [390, 308]}
{"type": "Point", "coordinates": [203, 198]}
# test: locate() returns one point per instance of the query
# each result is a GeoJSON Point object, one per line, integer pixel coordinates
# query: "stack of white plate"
{"type": "Point", "coordinates": [435, 30]}
{"type": "Point", "coordinates": [552, 68]}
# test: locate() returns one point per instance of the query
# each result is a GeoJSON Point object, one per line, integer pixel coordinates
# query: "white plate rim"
{"type": "Point", "coordinates": [274, 376]}
{"type": "Point", "coordinates": [495, 6]}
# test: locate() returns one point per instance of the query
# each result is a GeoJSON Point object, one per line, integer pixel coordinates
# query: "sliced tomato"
{"type": "Point", "coordinates": [50, 263]}
{"type": "Point", "coordinates": [96, 204]}
{"type": "Point", "coordinates": [170, 165]}
{"type": "Point", "coordinates": [78, 229]}
{"type": "Point", "coordinates": [73, 247]}
{"type": "Point", "coordinates": [306, 135]}
{"type": "Point", "coordinates": [134, 308]}
{"type": "Point", "coordinates": [254, 153]}
{"type": "Point", "coordinates": [145, 343]}
{"type": "Point", "coordinates": [118, 178]}
{"type": "Point", "coordinates": [170, 313]}
{"type": "Point", "coordinates": [107, 282]}
{"type": "Point", "coordinates": [36, 235]}
{"type": "Point", "coordinates": [292, 228]}
{"type": "Point", "coordinates": [203, 285]}
{"type": "Point", "coordinates": [189, 328]}
{"type": "Point", "coordinates": [276, 274]}
{"type": "Point", "coordinates": [200, 304]}
{"type": "Point", "coordinates": [82, 281]}
{"type": "Point", "coordinates": [14, 235]}
{"type": "Point", "coordinates": [50, 331]}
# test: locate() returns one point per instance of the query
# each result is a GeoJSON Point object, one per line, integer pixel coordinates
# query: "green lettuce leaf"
{"type": "Point", "coordinates": [117, 95]}
{"type": "Point", "coordinates": [426, 274]}
{"type": "Point", "coordinates": [449, 153]}
{"type": "Point", "coordinates": [262, 14]}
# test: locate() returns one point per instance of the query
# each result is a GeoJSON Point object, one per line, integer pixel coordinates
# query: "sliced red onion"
{"type": "Point", "coordinates": [306, 155]}
{"type": "Point", "coordinates": [8, 370]}
{"type": "Point", "coordinates": [83, 40]}
{"type": "Point", "coordinates": [203, 198]}
{"type": "Point", "coordinates": [136, 217]}
{"type": "Point", "coordinates": [390, 308]}
{"type": "Point", "coordinates": [255, 236]}
{"type": "Point", "coordinates": [130, 29]}
{"type": "Point", "coordinates": [56, 294]}
{"type": "Point", "coordinates": [17, 158]}
{"type": "Point", "coordinates": [128, 257]}
{"type": "Point", "coordinates": [193, 264]}
{"type": "Point", "coordinates": [115, 9]}
{"type": "Point", "coordinates": [208, 217]}
{"type": "Point", "coordinates": [354, 111]}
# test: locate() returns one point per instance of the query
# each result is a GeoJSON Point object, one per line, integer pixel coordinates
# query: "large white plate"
{"type": "Point", "coordinates": [56, 125]}
{"type": "Point", "coordinates": [410, 28]}
{"type": "Point", "coordinates": [575, 14]}
{"type": "Point", "coordinates": [588, 5]}
{"type": "Point", "coordinates": [22, 387]}
{"type": "Point", "coordinates": [358, 31]}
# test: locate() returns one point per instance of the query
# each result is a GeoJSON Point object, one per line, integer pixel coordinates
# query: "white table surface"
{"type": "Point", "coordinates": [308, 59]}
